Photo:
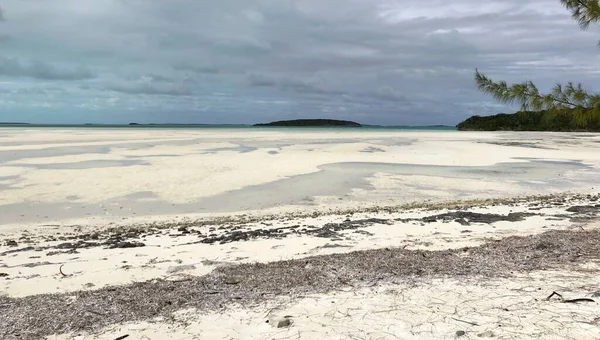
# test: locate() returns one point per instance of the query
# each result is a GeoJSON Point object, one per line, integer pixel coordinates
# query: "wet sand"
{"type": "Point", "coordinates": [103, 176]}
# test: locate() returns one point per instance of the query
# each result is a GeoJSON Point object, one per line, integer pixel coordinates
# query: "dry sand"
{"type": "Point", "coordinates": [112, 208]}
{"type": "Point", "coordinates": [513, 308]}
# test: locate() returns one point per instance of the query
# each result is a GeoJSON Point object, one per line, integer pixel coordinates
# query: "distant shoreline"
{"type": "Point", "coordinates": [311, 123]}
{"type": "Point", "coordinates": [213, 126]}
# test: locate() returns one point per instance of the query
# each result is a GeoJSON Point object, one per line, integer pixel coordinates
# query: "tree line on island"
{"type": "Point", "coordinates": [281, 123]}
{"type": "Point", "coordinates": [566, 108]}
{"type": "Point", "coordinates": [543, 120]}
{"type": "Point", "coordinates": [311, 123]}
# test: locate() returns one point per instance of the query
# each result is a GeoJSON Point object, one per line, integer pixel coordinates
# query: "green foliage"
{"type": "Point", "coordinates": [573, 100]}
{"type": "Point", "coordinates": [527, 121]}
{"type": "Point", "coordinates": [584, 12]}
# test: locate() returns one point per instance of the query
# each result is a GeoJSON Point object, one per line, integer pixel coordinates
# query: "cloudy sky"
{"type": "Point", "coordinates": [392, 62]}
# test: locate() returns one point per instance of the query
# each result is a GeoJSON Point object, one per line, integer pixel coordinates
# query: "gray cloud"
{"type": "Point", "coordinates": [159, 77]}
{"type": "Point", "coordinates": [389, 93]}
{"type": "Point", "coordinates": [299, 85]}
{"type": "Point", "coordinates": [202, 69]}
{"type": "Point", "coordinates": [41, 70]}
{"type": "Point", "coordinates": [2, 17]}
{"type": "Point", "coordinates": [380, 61]}
{"type": "Point", "coordinates": [261, 80]}
{"type": "Point", "coordinates": [150, 85]}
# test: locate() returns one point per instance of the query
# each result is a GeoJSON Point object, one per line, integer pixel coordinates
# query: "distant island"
{"type": "Point", "coordinates": [285, 123]}
{"type": "Point", "coordinates": [312, 123]}
{"type": "Point", "coordinates": [178, 125]}
{"type": "Point", "coordinates": [526, 121]}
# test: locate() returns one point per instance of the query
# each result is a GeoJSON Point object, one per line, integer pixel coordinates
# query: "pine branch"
{"type": "Point", "coordinates": [528, 96]}
{"type": "Point", "coordinates": [584, 12]}
{"type": "Point", "coordinates": [570, 99]}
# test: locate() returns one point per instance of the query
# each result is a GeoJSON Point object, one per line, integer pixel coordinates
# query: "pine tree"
{"type": "Point", "coordinates": [572, 99]}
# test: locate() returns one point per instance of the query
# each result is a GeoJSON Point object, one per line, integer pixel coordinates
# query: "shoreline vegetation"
{"type": "Point", "coordinates": [543, 120]}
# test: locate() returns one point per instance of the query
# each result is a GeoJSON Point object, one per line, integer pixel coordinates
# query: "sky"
{"type": "Point", "coordinates": [386, 62]}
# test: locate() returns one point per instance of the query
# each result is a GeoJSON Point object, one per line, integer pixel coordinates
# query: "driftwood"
{"type": "Point", "coordinates": [570, 300]}
{"type": "Point", "coordinates": [467, 322]}
{"type": "Point", "coordinates": [61, 272]}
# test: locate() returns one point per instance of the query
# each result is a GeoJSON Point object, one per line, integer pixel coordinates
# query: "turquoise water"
{"type": "Point", "coordinates": [192, 126]}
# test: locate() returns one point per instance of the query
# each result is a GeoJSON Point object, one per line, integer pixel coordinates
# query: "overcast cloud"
{"type": "Point", "coordinates": [402, 62]}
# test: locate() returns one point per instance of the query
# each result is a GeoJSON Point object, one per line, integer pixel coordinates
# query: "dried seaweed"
{"type": "Point", "coordinates": [37, 316]}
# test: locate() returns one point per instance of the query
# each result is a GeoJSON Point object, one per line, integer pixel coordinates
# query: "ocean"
{"type": "Point", "coordinates": [225, 126]}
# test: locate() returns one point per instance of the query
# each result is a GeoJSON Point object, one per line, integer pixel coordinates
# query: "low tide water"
{"type": "Point", "coordinates": [226, 126]}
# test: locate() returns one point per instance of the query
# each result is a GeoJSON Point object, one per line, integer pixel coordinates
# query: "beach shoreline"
{"type": "Point", "coordinates": [178, 254]}
{"type": "Point", "coordinates": [142, 249]}
{"type": "Point", "coordinates": [74, 176]}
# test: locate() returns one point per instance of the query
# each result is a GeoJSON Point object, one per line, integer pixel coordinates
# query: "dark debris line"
{"type": "Point", "coordinates": [38, 316]}
{"type": "Point", "coordinates": [229, 234]}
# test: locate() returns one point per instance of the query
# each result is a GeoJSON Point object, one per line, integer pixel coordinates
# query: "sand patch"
{"type": "Point", "coordinates": [440, 309]}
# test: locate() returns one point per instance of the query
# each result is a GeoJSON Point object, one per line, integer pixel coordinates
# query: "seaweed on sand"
{"type": "Point", "coordinates": [37, 316]}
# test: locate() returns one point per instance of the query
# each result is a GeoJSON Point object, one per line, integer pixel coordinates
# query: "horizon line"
{"type": "Point", "coordinates": [133, 124]}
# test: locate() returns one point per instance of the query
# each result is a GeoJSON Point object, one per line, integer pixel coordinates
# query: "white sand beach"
{"type": "Point", "coordinates": [440, 309]}
{"type": "Point", "coordinates": [90, 210]}
{"type": "Point", "coordinates": [122, 175]}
